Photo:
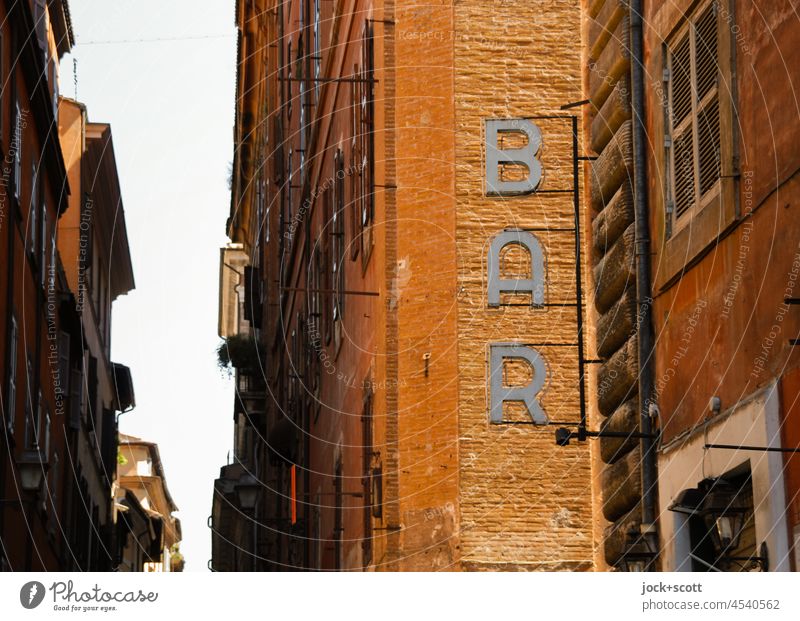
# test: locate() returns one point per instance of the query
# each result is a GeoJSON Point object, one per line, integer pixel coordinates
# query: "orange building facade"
{"type": "Point", "coordinates": [369, 422]}
{"type": "Point", "coordinates": [65, 259]}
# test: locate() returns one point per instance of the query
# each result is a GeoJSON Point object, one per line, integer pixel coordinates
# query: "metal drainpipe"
{"type": "Point", "coordinates": [643, 286]}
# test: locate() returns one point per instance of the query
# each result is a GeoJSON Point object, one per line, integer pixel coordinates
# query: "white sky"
{"type": "Point", "coordinates": [170, 105]}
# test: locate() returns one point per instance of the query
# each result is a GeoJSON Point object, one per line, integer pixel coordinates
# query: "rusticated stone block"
{"type": "Point", "coordinates": [617, 325]}
{"type": "Point", "coordinates": [613, 220]}
{"type": "Point", "coordinates": [615, 111]}
{"type": "Point", "coordinates": [602, 25]}
{"type": "Point", "coordinates": [622, 485]}
{"type": "Point", "coordinates": [625, 419]}
{"type": "Point", "coordinates": [616, 534]}
{"type": "Point", "coordinates": [594, 7]}
{"type": "Point", "coordinates": [616, 380]}
{"type": "Point", "coordinates": [613, 62]}
{"type": "Point", "coordinates": [612, 167]}
{"type": "Point", "coordinates": [615, 272]}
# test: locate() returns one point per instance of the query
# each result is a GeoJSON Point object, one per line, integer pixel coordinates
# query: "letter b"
{"type": "Point", "coordinates": [524, 156]}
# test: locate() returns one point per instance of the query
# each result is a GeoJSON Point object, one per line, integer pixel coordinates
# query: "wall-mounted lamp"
{"type": "Point", "coordinates": [724, 512]}
{"type": "Point", "coordinates": [638, 556]}
{"type": "Point", "coordinates": [31, 467]}
{"type": "Point", "coordinates": [247, 490]}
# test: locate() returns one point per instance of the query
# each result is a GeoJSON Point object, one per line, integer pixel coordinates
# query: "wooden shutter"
{"type": "Point", "coordinates": [40, 19]}
{"type": "Point", "coordinates": [681, 118]}
{"type": "Point", "coordinates": [694, 115]}
{"type": "Point", "coordinates": [706, 68]}
{"type": "Point", "coordinates": [11, 400]}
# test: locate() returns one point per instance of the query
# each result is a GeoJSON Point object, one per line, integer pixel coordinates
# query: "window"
{"type": "Point", "coordinates": [46, 438]}
{"type": "Point", "coordinates": [366, 472]}
{"type": "Point", "coordinates": [52, 263]}
{"type": "Point", "coordinates": [354, 173]}
{"type": "Point", "coordinates": [303, 97]}
{"type": "Point", "coordinates": [366, 147]}
{"type": "Point", "coordinates": [76, 398]}
{"type": "Point", "coordinates": [54, 480]}
{"type": "Point", "coordinates": [17, 151]}
{"type": "Point", "coordinates": [337, 231]}
{"type": "Point", "coordinates": [40, 23]}
{"type": "Point", "coordinates": [338, 517]}
{"type": "Point", "coordinates": [33, 416]}
{"type": "Point", "coordinates": [259, 219]}
{"type": "Point", "coordinates": [63, 367]}
{"type": "Point", "coordinates": [327, 260]}
{"type": "Point", "coordinates": [289, 207]}
{"type": "Point", "coordinates": [289, 78]}
{"type": "Point", "coordinates": [91, 395]}
{"type": "Point", "coordinates": [11, 399]}
{"type": "Point", "coordinates": [317, 51]}
{"type": "Point", "coordinates": [693, 118]}
{"type": "Point", "coordinates": [265, 189]}
{"type": "Point", "coordinates": [32, 209]}
{"type": "Point", "coordinates": [54, 84]}
{"type": "Point", "coordinates": [314, 326]}
{"type": "Point", "coordinates": [293, 374]}
{"type": "Point", "coordinates": [699, 129]}
{"type": "Point", "coordinates": [44, 247]}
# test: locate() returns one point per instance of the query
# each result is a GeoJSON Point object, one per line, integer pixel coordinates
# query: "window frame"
{"type": "Point", "coordinates": [683, 246]}
{"type": "Point", "coordinates": [43, 246]}
{"type": "Point", "coordinates": [18, 129]}
{"type": "Point", "coordinates": [354, 174]}
{"type": "Point", "coordinates": [338, 263]}
{"type": "Point", "coordinates": [33, 420]}
{"type": "Point", "coordinates": [367, 442]}
{"type": "Point", "coordinates": [366, 172]}
{"type": "Point", "coordinates": [317, 33]}
{"type": "Point", "coordinates": [33, 208]}
{"type": "Point", "coordinates": [11, 379]}
{"type": "Point", "coordinates": [691, 122]}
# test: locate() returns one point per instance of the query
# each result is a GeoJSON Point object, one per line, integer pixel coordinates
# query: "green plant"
{"type": "Point", "coordinates": [240, 351]}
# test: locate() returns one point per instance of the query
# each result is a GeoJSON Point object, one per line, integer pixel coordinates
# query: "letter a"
{"type": "Point", "coordinates": [533, 285]}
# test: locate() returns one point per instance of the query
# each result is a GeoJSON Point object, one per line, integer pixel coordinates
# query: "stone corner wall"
{"type": "Point", "coordinates": [610, 207]}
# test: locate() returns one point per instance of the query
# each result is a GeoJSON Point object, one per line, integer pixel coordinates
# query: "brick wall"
{"type": "Point", "coordinates": [524, 503]}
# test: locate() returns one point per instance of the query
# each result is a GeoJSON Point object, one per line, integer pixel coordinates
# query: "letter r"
{"type": "Point", "coordinates": [499, 393]}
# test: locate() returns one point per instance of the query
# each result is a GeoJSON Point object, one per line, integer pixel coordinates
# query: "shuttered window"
{"type": "Point", "coordinates": [18, 151]}
{"type": "Point", "coordinates": [367, 144]}
{"type": "Point", "coordinates": [693, 117]}
{"type": "Point", "coordinates": [11, 399]}
{"type": "Point", "coordinates": [338, 232]}
{"type": "Point", "coordinates": [366, 473]}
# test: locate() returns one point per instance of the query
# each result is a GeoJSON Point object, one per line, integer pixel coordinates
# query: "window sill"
{"type": "Point", "coordinates": [690, 243]}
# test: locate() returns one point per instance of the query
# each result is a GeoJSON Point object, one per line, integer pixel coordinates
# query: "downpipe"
{"type": "Point", "coordinates": [643, 285]}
